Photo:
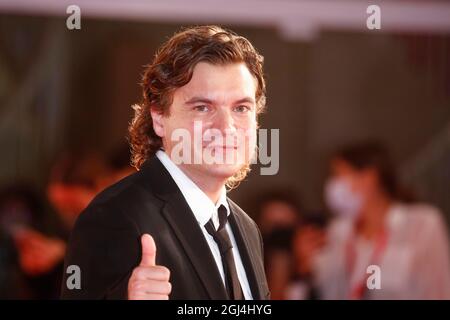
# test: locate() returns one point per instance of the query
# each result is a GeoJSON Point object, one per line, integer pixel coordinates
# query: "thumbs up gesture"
{"type": "Point", "coordinates": [149, 281]}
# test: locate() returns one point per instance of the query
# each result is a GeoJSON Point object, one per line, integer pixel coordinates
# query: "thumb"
{"type": "Point", "coordinates": [148, 251]}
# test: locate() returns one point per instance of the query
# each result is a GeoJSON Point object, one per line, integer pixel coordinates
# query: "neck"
{"type": "Point", "coordinates": [212, 187]}
{"type": "Point", "coordinates": [372, 217]}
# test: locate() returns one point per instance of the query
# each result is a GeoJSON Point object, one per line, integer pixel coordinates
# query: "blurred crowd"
{"type": "Point", "coordinates": [372, 239]}
{"type": "Point", "coordinates": [35, 228]}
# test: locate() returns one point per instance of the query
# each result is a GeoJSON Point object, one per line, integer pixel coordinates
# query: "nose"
{"type": "Point", "coordinates": [225, 122]}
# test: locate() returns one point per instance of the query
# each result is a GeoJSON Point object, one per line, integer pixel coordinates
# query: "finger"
{"type": "Point", "coordinates": [159, 273]}
{"type": "Point", "coordinates": [148, 251]}
{"type": "Point", "coordinates": [148, 296]}
{"type": "Point", "coordinates": [150, 287]}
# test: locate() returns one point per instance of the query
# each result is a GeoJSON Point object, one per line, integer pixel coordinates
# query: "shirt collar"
{"type": "Point", "coordinates": [201, 205]}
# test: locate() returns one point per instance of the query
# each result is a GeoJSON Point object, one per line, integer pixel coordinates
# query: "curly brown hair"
{"type": "Point", "coordinates": [172, 68]}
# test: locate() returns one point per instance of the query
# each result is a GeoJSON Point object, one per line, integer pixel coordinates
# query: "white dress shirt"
{"type": "Point", "coordinates": [204, 209]}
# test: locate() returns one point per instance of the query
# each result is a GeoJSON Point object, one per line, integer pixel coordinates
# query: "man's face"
{"type": "Point", "coordinates": [218, 104]}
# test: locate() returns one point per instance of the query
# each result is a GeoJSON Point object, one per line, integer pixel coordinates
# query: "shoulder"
{"type": "Point", "coordinates": [122, 191]}
{"type": "Point", "coordinates": [122, 200]}
{"type": "Point", "coordinates": [107, 205]}
{"type": "Point", "coordinates": [248, 225]}
{"type": "Point", "coordinates": [241, 214]}
{"type": "Point", "coordinates": [106, 216]}
{"type": "Point", "coordinates": [421, 214]}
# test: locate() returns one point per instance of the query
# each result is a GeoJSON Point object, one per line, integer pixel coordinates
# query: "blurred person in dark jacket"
{"type": "Point", "coordinates": [278, 215]}
{"type": "Point", "coordinates": [309, 238]}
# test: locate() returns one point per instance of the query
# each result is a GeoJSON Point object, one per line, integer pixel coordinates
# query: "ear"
{"type": "Point", "coordinates": [158, 121]}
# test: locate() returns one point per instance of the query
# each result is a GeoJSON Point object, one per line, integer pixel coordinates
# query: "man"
{"type": "Point", "coordinates": [169, 230]}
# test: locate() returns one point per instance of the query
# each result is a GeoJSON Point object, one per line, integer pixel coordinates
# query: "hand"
{"type": "Point", "coordinates": [308, 242]}
{"type": "Point", "coordinates": [149, 281]}
{"type": "Point", "coordinates": [38, 254]}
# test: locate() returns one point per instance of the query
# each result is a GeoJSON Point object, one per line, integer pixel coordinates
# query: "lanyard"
{"type": "Point", "coordinates": [357, 291]}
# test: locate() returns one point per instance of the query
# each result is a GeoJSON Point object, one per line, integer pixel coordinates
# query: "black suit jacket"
{"type": "Point", "coordinates": [105, 242]}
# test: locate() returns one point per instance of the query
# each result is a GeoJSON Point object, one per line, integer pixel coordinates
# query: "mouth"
{"type": "Point", "coordinates": [218, 147]}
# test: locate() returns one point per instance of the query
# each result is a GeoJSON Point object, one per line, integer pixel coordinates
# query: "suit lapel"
{"type": "Point", "coordinates": [248, 256]}
{"type": "Point", "coordinates": [186, 228]}
{"type": "Point", "coordinates": [188, 231]}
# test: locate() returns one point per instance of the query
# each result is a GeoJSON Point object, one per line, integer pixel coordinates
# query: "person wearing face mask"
{"type": "Point", "coordinates": [381, 245]}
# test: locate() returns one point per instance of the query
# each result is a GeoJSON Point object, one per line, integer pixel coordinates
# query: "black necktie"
{"type": "Point", "coordinates": [229, 267]}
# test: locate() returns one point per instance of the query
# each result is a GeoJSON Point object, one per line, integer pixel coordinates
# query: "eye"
{"type": "Point", "coordinates": [242, 109]}
{"type": "Point", "coordinates": [202, 108]}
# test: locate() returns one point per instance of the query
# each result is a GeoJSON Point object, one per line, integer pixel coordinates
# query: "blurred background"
{"type": "Point", "coordinates": [333, 86]}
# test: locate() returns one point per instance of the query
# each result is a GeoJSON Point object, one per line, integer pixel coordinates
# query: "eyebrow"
{"type": "Point", "coordinates": [195, 100]}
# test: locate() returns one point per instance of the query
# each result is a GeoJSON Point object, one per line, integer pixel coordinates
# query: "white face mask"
{"type": "Point", "coordinates": [341, 199]}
